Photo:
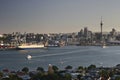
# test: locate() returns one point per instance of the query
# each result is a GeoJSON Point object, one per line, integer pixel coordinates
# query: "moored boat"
{"type": "Point", "coordinates": [30, 46]}
{"type": "Point", "coordinates": [53, 45]}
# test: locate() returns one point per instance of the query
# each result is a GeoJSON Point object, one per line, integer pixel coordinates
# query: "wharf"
{"type": "Point", "coordinates": [3, 48]}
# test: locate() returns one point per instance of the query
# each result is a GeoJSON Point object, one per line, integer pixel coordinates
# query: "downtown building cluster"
{"type": "Point", "coordinates": [83, 37]}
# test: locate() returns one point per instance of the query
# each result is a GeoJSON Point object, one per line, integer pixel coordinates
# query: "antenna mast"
{"type": "Point", "coordinates": [101, 25]}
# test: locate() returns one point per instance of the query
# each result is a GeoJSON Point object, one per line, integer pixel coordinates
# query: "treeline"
{"type": "Point", "coordinates": [81, 73]}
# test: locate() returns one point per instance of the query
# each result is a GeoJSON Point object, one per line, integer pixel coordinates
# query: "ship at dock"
{"type": "Point", "coordinates": [29, 41]}
{"type": "Point", "coordinates": [30, 46]}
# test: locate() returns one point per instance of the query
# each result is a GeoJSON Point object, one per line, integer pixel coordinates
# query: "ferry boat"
{"type": "Point", "coordinates": [30, 46]}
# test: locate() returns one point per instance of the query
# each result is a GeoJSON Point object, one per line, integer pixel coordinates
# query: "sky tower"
{"type": "Point", "coordinates": [101, 25]}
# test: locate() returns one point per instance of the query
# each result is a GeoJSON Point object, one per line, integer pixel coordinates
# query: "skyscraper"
{"type": "Point", "coordinates": [86, 32]}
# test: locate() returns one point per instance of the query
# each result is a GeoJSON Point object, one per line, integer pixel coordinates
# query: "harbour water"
{"type": "Point", "coordinates": [61, 57]}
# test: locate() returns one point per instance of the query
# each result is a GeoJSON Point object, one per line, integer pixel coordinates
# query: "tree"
{"type": "Point", "coordinates": [117, 78]}
{"type": "Point", "coordinates": [1, 75]}
{"type": "Point", "coordinates": [80, 68]}
{"type": "Point", "coordinates": [40, 69]}
{"type": "Point", "coordinates": [14, 77]}
{"type": "Point", "coordinates": [25, 69]}
{"type": "Point", "coordinates": [68, 67]}
{"type": "Point", "coordinates": [111, 73]}
{"type": "Point", "coordinates": [53, 76]}
{"type": "Point", "coordinates": [68, 76]}
{"type": "Point", "coordinates": [37, 76]}
{"type": "Point", "coordinates": [55, 68]}
{"type": "Point", "coordinates": [79, 77]}
{"type": "Point", "coordinates": [104, 74]}
{"type": "Point", "coordinates": [91, 66]}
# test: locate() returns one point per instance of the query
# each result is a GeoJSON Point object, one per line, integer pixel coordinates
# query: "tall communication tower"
{"type": "Point", "coordinates": [101, 25]}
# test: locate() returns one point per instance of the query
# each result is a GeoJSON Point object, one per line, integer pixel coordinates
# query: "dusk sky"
{"type": "Point", "coordinates": [57, 16]}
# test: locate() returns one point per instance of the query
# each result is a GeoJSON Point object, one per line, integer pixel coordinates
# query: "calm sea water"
{"type": "Point", "coordinates": [61, 57]}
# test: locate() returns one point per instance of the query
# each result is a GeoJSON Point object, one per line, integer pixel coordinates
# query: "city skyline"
{"type": "Point", "coordinates": [58, 16]}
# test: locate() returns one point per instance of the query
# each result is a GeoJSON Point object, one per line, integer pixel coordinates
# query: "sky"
{"type": "Point", "coordinates": [58, 16]}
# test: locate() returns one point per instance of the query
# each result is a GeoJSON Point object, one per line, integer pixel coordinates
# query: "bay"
{"type": "Point", "coordinates": [61, 57]}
